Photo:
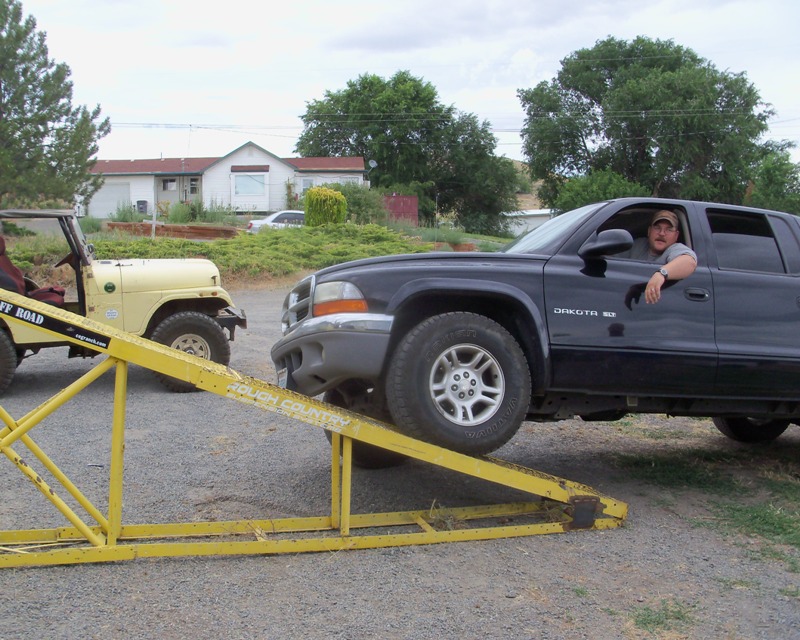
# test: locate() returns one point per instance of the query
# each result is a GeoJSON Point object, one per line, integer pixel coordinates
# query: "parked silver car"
{"type": "Point", "coordinates": [278, 220]}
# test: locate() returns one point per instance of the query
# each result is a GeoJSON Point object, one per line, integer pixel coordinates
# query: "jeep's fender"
{"type": "Point", "coordinates": [507, 304]}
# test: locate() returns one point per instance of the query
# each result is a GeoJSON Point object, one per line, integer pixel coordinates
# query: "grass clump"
{"type": "Point", "coordinates": [668, 616]}
{"type": "Point", "coordinates": [756, 491]}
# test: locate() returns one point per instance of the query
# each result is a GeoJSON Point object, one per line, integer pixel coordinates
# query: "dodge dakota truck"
{"type": "Point", "coordinates": [460, 348]}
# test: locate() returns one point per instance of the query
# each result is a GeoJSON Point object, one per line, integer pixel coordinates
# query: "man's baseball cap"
{"type": "Point", "coordinates": [667, 216]}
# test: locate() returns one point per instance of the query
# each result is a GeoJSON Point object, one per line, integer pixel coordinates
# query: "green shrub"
{"type": "Point", "coordinates": [90, 225]}
{"type": "Point", "coordinates": [125, 212]}
{"type": "Point", "coordinates": [179, 213]}
{"type": "Point", "coordinates": [12, 229]}
{"type": "Point", "coordinates": [324, 206]}
{"type": "Point", "coordinates": [364, 205]}
{"type": "Point", "coordinates": [218, 213]}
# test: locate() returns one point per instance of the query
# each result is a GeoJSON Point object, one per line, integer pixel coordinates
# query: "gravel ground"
{"type": "Point", "coordinates": [201, 457]}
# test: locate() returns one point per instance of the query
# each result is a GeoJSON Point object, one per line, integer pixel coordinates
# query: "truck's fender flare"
{"type": "Point", "coordinates": [537, 342]}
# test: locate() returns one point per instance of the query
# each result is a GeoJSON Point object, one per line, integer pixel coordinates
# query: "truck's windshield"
{"type": "Point", "coordinates": [547, 238]}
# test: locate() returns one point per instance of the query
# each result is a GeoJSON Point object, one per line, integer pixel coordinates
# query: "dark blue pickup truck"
{"type": "Point", "coordinates": [459, 349]}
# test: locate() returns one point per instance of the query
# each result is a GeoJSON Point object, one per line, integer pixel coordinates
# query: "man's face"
{"type": "Point", "coordinates": [661, 236]}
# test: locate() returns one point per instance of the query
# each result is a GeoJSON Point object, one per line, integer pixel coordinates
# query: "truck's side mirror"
{"type": "Point", "coordinates": [605, 243]}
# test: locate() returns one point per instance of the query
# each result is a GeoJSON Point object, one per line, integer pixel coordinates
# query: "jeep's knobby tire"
{"type": "Point", "coordinates": [8, 360]}
{"type": "Point", "coordinates": [356, 397]}
{"type": "Point", "coordinates": [192, 332]}
{"type": "Point", "coordinates": [750, 430]}
{"type": "Point", "coordinates": [459, 380]}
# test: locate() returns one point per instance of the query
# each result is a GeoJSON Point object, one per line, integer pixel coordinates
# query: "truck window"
{"type": "Point", "coordinates": [745, 242]}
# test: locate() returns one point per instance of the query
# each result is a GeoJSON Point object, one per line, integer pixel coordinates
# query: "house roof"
{"type": "Point", "coordinates": [355, 163]}
{"type": "Point", "coordinates": [197, 166]}
{"type": "Point", "coordinates": [154, 166]}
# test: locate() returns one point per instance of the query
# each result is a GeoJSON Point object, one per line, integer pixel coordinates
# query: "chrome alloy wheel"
{"type": "Point", "coordinates": [466, 384]}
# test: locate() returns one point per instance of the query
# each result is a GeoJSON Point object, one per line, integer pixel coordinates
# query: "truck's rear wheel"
{"type": "Point", "coordinates": [8, 360]}
{"type": "Point", "coordinates": [744, 429]}
{"type": "Point", "coordinates": [194, 333]}
{"type": "Point", "coordinates": [461, 381]}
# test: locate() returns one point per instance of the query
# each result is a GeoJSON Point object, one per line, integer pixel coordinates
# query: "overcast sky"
{"type": "Point", "coordinates": [182, 78]}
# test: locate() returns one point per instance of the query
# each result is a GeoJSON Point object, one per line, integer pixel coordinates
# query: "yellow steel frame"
{"type": "Point", "coordinates": [560, 505]}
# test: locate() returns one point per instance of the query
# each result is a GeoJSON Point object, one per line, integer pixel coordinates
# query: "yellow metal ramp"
{"type": "Point", "coordinates": [89, 535]}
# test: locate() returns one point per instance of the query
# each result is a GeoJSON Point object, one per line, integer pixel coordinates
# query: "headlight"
{"type": "Point", "coordinates": [338, 297]}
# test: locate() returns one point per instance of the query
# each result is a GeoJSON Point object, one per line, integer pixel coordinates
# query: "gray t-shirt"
{"type": "Point", "coordinates": [641, 251]}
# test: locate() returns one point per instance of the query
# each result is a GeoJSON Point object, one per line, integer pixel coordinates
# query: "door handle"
{"type": "Point", "coordinates": [696, 294]}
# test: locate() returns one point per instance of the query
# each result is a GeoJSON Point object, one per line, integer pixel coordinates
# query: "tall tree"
{"type": "Point", "coordinates": [415, 140]}
{"type": "Point", "coordinates": [776, 182]}
{"type": "Point", "coordinates": [395, 122]}
{"type": "Point", "coordinates": [651, 111]}
{"type": "Point", "coordinates": [47, 145]}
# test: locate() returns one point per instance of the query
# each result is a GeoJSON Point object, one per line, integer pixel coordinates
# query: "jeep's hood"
{"type": "Point", "coordinates": [159, 275]}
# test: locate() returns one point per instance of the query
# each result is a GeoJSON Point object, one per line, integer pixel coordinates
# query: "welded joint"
{"type": "Point", "coordinates": [583, 510]}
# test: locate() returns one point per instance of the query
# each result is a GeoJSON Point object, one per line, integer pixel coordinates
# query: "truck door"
{"type": "Point", "coordinates": [757, 284]}
{"type": "Point", "coordinates": [604, 337]}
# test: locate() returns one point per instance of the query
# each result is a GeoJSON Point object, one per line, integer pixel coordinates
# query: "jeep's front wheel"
{"type": "Point", "coordinates": [194, 333]}
{"type": "Point", "coordinates": [459, 380]}
{"type": "Point", "coordinates": [8, 360]}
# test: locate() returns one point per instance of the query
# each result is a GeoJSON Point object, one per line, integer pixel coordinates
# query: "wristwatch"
{"type": "Point", "coordinates": [664, 273]}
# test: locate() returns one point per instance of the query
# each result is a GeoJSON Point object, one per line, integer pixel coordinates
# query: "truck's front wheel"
{"type": "Point", "coordinates": [194, 333]}
{"type": "Point", "coordinates": [461, 381]}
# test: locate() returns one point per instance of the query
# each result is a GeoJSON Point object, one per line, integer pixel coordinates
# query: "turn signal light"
{"type": "Point", "coordinates": [340, 306]}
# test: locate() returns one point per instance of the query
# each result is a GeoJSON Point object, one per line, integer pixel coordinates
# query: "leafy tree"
{"type": "Point", "coordinates": [470, 179]}
{"type": "Point", "coordinates": [395, 122]}
{"type": "Point", "coordinates": [776, 182]}
{"type": "Point", "coordinates": [653, 112]}
{"type": "Point", "coordinates": [415, 140]}
{"type": "Point", "coordinates": [595, 187]}
{"type": "Point", "coordinates": [47, 145]}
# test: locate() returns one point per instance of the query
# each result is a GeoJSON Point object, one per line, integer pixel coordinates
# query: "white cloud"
{"type": "Point", "coordinates": [255, 65]}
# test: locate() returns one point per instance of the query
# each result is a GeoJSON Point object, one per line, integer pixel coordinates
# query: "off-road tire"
{"type": "Point", "coordinates": [8, 360]}
{"type": "Point", "coordinates": [357, 397]}
{"type": "Point", "coordinates": [750, 430]}
{"type": "Point", "coordinates": [459, 380]}
{"type": "Point", "coordinates": [195, 333]}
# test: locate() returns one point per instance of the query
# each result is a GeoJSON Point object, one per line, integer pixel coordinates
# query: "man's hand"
{"type": "Point", "coordinates": [652, 292]}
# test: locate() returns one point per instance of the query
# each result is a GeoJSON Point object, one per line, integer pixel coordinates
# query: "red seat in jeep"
{"type": "Point", "coordinates": [12, 279]}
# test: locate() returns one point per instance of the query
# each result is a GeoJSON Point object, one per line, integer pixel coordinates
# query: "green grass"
{"type": "Point", "coordinates": [669, 616]}
{"type": "Point", "coordinates": [263, 256]}
{"type": "Point", "coordinates": [753, 491]}
{"type": "Point", "coordinates": [693, 469]}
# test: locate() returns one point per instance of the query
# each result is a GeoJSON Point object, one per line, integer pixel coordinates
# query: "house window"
{"type": "Point", "coordinates": [249, 184]}
{"type": "Point", "coordinates": [193, 185]}
{"type": "Point", "coordinates": [306, 184]}
{"type": "Point", "coordinates": [169, 184]}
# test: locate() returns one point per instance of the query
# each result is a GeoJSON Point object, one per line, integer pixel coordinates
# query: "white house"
{"type": "Point", "coordinates": [523, 221]}
{"type": "Point", "coordinates": [248, 179]}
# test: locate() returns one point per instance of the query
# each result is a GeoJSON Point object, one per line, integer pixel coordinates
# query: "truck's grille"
{"type": "Point", "coordinates": [297, 305]}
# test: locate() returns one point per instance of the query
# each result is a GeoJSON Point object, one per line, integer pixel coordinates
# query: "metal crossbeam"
{"type": "Point", "coordinates": [558, 505]}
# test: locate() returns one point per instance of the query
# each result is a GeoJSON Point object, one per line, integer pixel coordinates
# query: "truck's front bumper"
{"type": "Point", "coordinates": [321, 353]}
